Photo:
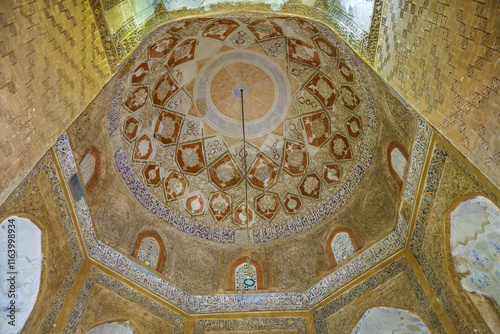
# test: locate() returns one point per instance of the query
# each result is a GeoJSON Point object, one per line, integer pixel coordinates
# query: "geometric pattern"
{"type": "Point", "coordinates": [217, 303]}
{"type": "Point", "coordinates": [179, 121]}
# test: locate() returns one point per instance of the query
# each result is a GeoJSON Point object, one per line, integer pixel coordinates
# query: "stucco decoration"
{"type": "Point", "coordinates": [389, 320]}
{"type": "Point", "coordinates": [475, 245]}
{"type": "Point", "coordinates": [310, 125]}
{"type": "Point", "coordinates": [112, 328]}
{"type": "Point", "coordinates": [20, 270]}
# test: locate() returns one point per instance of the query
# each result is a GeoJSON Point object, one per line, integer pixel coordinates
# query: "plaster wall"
{"type": "Point", "coordinates": [442, 58]}
{"type": "Point", "coordinates": [52, 64]}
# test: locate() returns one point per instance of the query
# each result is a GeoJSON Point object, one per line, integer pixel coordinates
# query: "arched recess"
{"type": "Point", "coordinates": [389, 320]}
{"type": "Point", "coordinates": [90, 168]}
{"type": "Point", "coordinates": [20, 271]}
{"type": "Point", "coordinates": [344, 240]}
{"type": "Point", "coordinates": [472, 255]}
{"type": "Point", "coordinates": [239, 268]}
{"type": "Point", "coordinates": [112, 328]}
{"type": "Point", "coordinates": [150, 249]}
{"type": "Point", "coordinates": [397, 162]}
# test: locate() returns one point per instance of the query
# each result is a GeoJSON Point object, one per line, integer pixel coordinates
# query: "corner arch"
{"type": "Point", "coordinates": [330, 255]}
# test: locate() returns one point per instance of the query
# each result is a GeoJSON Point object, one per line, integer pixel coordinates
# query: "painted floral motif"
{"type": "Point", "coordinates": [162, 47]}
{"type": "Point", "coordinates": [220, 205]}
{"type": "Point", "coordinates": [163, 90]}
{"type": "Point", "coordinates": [195, 204]}
{"type": "Point", "coordinates": [267, 205]}
{"type": "Point", "coordinates": [175, 186]}
{"type": "Point", "coordinates": [220, 29]}
{"type": "Point", "coordinates": [350, 99]}
{"type": "Point", "coordinates": [310, 186]}
{"type": "Point", "coordinates": [303, 52]}
{"type": "Point", "coordinates": [340, 148]}
{"type": "Point", "coordinates": [180, 26]}
{"type": "Point", "coordinates": [263, 173]}
{"type": "Point", "coordinates": [137, 99]}
{"type": "Point", "coordinates": [224, 173]}
{"type": "Point", "coordinates": [139, 73]}
{"type": "Point", "coordinates": [307, 25]}
{"type": "Point", "coordinates": [131, 128]}
{"type": "Point", "coordinates": [183, 53]}
{"type": "Point", "coordinates": [264, 29]}
{"type": "Point", "coordinates": [326, 47]}
{"type": "Point", "coordinates": [295, 158]}
{"type": "Point", "coordinates": [353, 127]}
{"type": "Point", "coordinates": [346, 71]}
{"type": "Point", "coordinates": [331, 173]}
{"type": "Point", "coordinates": [143, 148]}
{"type": "Point", "coordinates": [323, 89]}
{"type": "Point", "coordinates": [190, 157]}
{"type": "Point", "coordinates": [239, 216]}
{"type": "Point", "coordinates": [317, 128]}
{"type": "Point", "coordinates": [152, 174]}
{"type": "Point", "coordinates": [167, 127]}
{"type": "Point", "coordinates": [292, 203]}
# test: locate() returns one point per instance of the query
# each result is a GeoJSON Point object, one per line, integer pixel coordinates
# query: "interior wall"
{"type": "Point", "coordinates": [52, 65]}
{"type": "Point", "coordinates": [441, 56]}
{"type": "Point", "coordinates": [37, 199]}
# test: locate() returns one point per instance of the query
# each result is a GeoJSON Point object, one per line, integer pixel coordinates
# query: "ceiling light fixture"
{"type": "Point", "coordinates": [249, 280]}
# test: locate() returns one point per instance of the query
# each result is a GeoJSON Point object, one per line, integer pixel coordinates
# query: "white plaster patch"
{"type": "Point", "coordinates": [87, 167]}
{"type": "Point", "coordinates": [399, 162]}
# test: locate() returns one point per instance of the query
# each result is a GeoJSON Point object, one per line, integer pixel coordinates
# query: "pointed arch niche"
{"type": "Point", "coordinates": [238, 271]}
{"type": "Point", "coordinates": [20, 271]}
{"type": "Point", "coordinates": [397, 160]}
{"type": "Point", "coordinates": [150, 250]}
{"type": "Point", "coordinates": [341, 244]}
{"type": "Point", "coordinates": [474, 253]}
{"type": "Point", "coordinates": [389, 320]}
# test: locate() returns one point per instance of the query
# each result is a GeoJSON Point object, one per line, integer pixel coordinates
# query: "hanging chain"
{"type": "Point", "coordinates": [250, 244]}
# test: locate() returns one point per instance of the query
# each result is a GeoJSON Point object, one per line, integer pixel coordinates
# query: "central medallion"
{"type": "Point", "coordinates": [265, 88]}
{"type": "Point", "coordinates": [238, 88]}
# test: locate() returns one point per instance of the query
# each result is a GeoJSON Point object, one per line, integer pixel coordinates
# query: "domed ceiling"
{"type": "Point", "coordinates": [310, 126]}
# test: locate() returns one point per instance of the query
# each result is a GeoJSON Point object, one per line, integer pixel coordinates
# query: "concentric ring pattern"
{"type": "Point", "coordinates": [310, 124]}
